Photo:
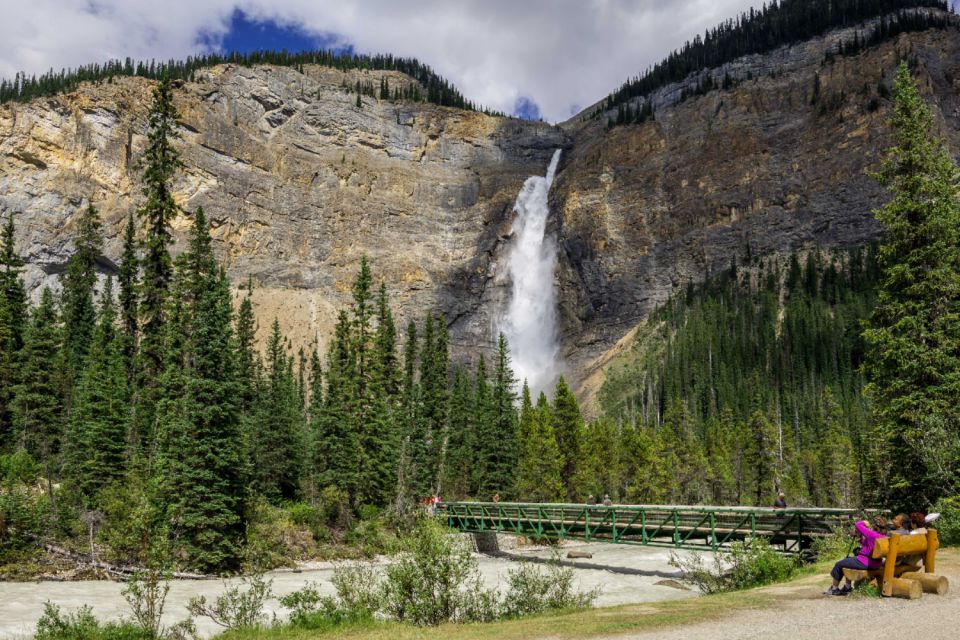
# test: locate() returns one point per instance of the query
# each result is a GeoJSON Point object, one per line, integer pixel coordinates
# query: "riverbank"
{"type": "Point", "coordinates": [624, 574]}
{"type": "Point", "coordinates": [786, 611]}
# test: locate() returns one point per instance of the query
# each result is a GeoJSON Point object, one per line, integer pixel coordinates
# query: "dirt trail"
{"type": "Point", "coordinates": [802, 612]}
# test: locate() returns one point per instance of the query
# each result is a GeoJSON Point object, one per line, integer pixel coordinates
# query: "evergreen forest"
{"type": "Point", "coordinates": [776, 24]}
{"type": "Point", "coordinates": [428, 86]}
{"type": "Point", "coordinates": [139, 413]}
{"type": "Point", "coordinates": [752, 380]}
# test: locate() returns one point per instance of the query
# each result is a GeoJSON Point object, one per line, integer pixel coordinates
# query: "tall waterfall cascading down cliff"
{"type": "Point", "coordinates": [530, 320]}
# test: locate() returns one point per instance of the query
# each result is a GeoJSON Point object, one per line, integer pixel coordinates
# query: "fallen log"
{"type": "Point", "coordinates": [930, 583]}
{"type": "Point", "coordinates": [118, 571]}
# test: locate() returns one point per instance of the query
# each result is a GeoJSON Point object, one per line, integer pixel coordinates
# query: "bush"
{"type": "Point", "coordinates": [532, 590]}
{"type": "Point", "coordinates": [335, 507]}
{"type": "Point", "coordinates": [275, 539]}
{"type": "Point", "coordinates": [303, 604]}
{"type": "Point", "coordinates": [82, 625]}
{"type": "Point", "coordinates": [371, 538]}
{"type": "Point", "coordinates": [236, 608]}
{"type": "Point", "coordinates": [23, 513]}
{"type": "Point", "coordinates": [948, 526]}
{"type": "Point", "coordinates": [834, 546]}
{"type": "Point", "coordinates": [434, 580]}
{"type": "Point", "coordinates": [746, 564]}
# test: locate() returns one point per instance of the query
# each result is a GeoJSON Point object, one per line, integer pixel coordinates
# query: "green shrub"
{"type": "Point", "coordinates": [358, 589]}
{"type": "Point", "coordinates": [82, 625]}
{"type": "Point", "coordinates": [275, 539]}
{"type": "Point", "coordinates": [237, 607]}
{"type": "Point", "coordinates": [370, 538]}
{"type": "Point", "coordinates": [434, 580]}
{"type": "Point", "coordinates": [18, 468]}
{"type": "Point", "coordinates": [834, 546]}
{"type": "Point", "coordinates": [532, 590]}
{"type": "Point", "coordinates": [335, 507]}
{"type": "Point", "coordinates": [304, 604]}
{"type": "Point", "coordinates": [23, 513]}
{"type": "Point", "coordinates": [948, 525]}
{"type": "Point", "coordinates": [746, 564]}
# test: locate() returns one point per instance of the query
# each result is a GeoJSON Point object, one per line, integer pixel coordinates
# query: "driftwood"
{"type": "Point", "coordinates": [113, 570]}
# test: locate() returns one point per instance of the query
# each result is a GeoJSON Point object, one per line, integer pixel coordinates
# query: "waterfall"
{"type": "Point", "coordinates": [530, 320]}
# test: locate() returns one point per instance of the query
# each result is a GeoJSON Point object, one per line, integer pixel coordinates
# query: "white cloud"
{"type": "Point", "coordinates": [560, 53]}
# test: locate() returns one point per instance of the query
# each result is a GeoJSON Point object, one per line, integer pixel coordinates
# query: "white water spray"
{"type": "Point", "coordinates": [530, 322]}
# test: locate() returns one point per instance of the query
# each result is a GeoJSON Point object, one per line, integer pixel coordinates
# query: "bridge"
{"type": "Point", "coordinates": [682, 527]}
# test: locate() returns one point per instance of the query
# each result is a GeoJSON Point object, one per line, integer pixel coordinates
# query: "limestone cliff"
{"type": "Point", "coordinates": [299, 182]}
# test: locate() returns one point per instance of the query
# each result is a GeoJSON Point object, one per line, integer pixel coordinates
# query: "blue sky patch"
{"type": "Point", "coordinates": [246, 35]}
{"type": "Point", "coordinates": [526, 108]}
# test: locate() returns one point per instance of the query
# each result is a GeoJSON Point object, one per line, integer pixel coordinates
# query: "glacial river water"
{"type": "Point", "coordinates": [625, 574]}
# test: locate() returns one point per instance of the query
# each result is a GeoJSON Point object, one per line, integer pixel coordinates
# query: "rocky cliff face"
{"type": "Point", "coordinates": [777, 163]}
{"type": "Point", "coordinates": [299, 183]}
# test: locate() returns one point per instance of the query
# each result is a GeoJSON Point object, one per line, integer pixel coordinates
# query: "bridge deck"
{"type": "Point", "coordinates": [696, 527]}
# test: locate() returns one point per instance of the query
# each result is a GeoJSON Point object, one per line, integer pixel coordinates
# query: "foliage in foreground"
{"type": "Point", "coordinates": [436, 580]}
{"type": "Point", "coordinates": [948, 526]}
{"type": "Point", "coordinates": [746, 564]}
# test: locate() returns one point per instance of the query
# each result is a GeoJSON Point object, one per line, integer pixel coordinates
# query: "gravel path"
{"type": "Point", "coordinates": [805, 613]}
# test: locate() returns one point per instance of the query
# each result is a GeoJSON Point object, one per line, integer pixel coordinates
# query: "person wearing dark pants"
{"type": "Point", "coordinates": [861, 561]}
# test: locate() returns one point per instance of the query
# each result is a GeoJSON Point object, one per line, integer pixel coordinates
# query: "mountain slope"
{"type": "Point", "coordinates": [298, 182]}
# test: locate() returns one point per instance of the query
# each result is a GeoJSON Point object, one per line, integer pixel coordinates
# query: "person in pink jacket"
{"type": "Point", "coordinates": [862, 561]}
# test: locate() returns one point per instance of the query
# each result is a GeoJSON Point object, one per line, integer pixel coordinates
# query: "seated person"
{"type": "Point", "coordinates": [917, 528]}
{"type": "Point", "coordinates": [861, 561]}
{"type": "Point", "coordinates": [900, 524]}
{"type": "Point", "coordinates": [918, 524]}
{"type": "Point", "coordinates": [781, 501]}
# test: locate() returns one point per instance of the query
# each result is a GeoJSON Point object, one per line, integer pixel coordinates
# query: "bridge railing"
{"type": "Point", "coordinates": [702, 527]}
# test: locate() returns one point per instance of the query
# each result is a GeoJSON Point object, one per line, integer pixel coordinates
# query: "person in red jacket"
{"type": "Point", "coordinates": [862, 561]}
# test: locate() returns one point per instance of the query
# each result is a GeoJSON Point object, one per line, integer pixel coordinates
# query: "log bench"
{"type": "Point", "coordinates": [904, 580]}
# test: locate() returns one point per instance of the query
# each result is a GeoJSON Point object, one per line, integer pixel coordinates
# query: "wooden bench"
{"type": "Point", "coordinates": [904, 580]}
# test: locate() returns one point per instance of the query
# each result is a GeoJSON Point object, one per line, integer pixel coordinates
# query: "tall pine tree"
{"type": "Point", "coordinates": [913, 339]}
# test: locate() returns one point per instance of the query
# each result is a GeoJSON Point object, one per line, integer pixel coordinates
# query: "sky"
{"type": "Point", "coordinates": [531, 58]}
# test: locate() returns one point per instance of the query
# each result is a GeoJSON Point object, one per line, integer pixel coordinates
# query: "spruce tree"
{"type": "Point", "coordinates": [128, 278]}
{"type": "Point", "coordinates": [567, 425]}
{"type": "Point", "coordinates": [201, 459]}
{"type": "Point", "coordinates": [461, 437]}
{"type": "Point", "coordinates": [159, 166]}
{"type": "Point", "coordinates": [79, 281]}
{"type": "Point", "coordinates": [484, 483]}
{"type": "Point", "coordinates": [100, 416]}
{"type": "Point", "coordinates": [913, 340]}
{"type": "Point", "coordinates": [38, 408]}
{"type": "Point", "coordinates": [337, 454]}
{"type": "Point", "coordinates": [246, 334]}
{"type": "Point", "coordinates": [278, 440]}
{"type": "Point", "coordinates": [502, 454]}
{"type": "Point", "coordinates": [13, 322]}
{"type": "Point", "coordinates": [538, 468]}
{"type": "Point", "coordinates": [11, 284]}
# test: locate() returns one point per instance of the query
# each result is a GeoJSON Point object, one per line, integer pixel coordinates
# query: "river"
{"type": "Point", "coordinates": [625, 574]}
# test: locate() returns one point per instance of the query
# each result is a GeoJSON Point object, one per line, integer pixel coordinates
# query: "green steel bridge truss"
{"type": "Point", "coordinates": [685, 527]}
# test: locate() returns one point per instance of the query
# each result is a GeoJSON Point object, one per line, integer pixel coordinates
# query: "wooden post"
{"type": "Point", "coordinates": [930, 558]}
{"type": "Point", "coordinates": [890, 564]}
{"type": "Point", "coordinates": [929, 582]}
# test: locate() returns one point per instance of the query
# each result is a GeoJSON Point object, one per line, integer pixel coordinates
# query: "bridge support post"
{"type": "Point", "coordinates": [486, 542]}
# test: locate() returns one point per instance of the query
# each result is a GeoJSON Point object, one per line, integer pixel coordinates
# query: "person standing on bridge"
{"type": "Point", "coordinates": [781, 501]}
{"type": "Point", "coordinates": [863, 560]}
